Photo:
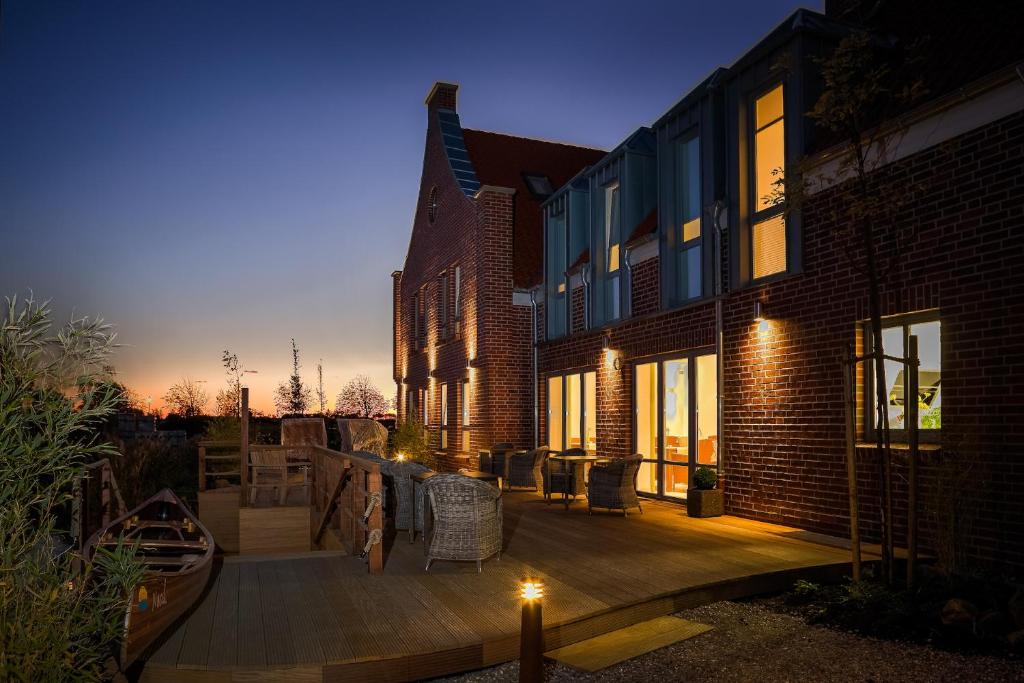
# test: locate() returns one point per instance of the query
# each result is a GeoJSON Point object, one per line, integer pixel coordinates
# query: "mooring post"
{"type": "Point", "coordinates": [243, 456]}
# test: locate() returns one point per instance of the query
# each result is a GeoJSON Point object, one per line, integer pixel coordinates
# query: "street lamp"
{"type": "Point", "coordinates": [531, 633]}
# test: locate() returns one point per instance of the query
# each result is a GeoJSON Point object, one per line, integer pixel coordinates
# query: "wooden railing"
{"type": "Point", "coordinates": [96, 501]}
{"type": "Point", "coordinates": [219, 459]}
{"type": "Point", "coordinates": [343, 487]}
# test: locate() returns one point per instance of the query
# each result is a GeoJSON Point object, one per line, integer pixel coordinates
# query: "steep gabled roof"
{"type": "Point", "coordinates": [505, 161]}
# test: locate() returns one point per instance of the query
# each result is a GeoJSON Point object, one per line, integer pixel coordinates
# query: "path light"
{"type": "Point", "coordinates": [531, 632]}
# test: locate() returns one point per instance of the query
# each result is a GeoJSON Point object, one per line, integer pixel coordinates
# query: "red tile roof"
{"type": "Point", "coordinates": [502, 160]}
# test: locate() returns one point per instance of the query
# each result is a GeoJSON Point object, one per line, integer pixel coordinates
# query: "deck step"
{"type": "Point", "coordinates": [609, 649]}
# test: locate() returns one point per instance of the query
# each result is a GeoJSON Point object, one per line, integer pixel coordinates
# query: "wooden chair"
{"type": "Point", "coordinates": [270, 470]}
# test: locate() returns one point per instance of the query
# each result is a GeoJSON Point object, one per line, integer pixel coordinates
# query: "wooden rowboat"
{"type": "Point", "coordinates": [177, 552]}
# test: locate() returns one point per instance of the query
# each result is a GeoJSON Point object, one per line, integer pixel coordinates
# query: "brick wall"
{"type": "Point", "coordinates": [962, 247]}
{"type": "Point", "coordinates": [963, 253]}
{"type": "Point", "coordinates": [578, 311]}
{"type": "Point", "coordinates": [646, 289]}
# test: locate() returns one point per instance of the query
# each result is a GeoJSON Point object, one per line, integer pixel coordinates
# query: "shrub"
{"type": "Point", "coordinates": [410, 439]}
{"type": "Point", "coordinates": [55, 624]}
{"type": "Point", "coordinates": [705, 478]}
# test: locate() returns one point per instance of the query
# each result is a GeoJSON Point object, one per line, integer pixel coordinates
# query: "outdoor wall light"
{"type": "Point", "coordinates": [759, 312]}
{"type": "Point", "coordinates": [531, 632]}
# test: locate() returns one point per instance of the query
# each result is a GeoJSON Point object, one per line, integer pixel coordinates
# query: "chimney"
{"type": "Point", "coordinates": [442, 96]}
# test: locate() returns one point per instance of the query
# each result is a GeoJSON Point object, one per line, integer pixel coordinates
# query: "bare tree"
{"type": "Point", "coordinates": [361, 398]}
{"type": "Point", "coordinates": [229, 400]}
{"type": "Point", "coordinates": [862, 93]}
{"type": "Point", "coordinates": [321, 397]}
{"type": "Point", "coordinates": [186, 398]}
{"type": "Point", "coordinates": [293, 397]}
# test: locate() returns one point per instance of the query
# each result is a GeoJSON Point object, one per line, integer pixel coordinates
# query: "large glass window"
{"type": "Point", "coordinates": [554, 278]}
{"type": "Point", "coordinates": [572, 411]}
{"type": "Point", "coordinates": [688, 219]}
{"type": "Point", "coordinates": [610, 270]}
{"type": "Point", "coordinates": [676, 428]}
{"type": "Point", "coordinates": [768, 230]}
{"type": "Point", "coordinates": [895, 343]}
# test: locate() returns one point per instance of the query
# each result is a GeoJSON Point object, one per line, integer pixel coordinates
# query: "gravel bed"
{"type": "Point", "coordinates": [752, 642]}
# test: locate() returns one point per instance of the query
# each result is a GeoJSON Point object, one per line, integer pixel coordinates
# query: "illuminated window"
{"type": "Point", "coordinates": [688, 219]}
{"type": "Point", "coordinates": [424, 408]}
{"type": "Point", "coordinates": [464, 403]}
{"type": "Point", "coordinates": [444, 416]}
{"type": "Point", "coordinates": [768, 231]}
{"type": "Point", "coordinates": [609, 273]}
{"type": "Point", "coordinates": [896, 343]}
{"type": "Point", "coordinates": [572, 411]}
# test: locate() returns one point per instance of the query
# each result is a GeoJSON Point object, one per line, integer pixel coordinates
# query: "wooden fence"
{"type": "Point", "coordinates": [96, 501]}
{"type": "Point", "coordinates": [219, 460]}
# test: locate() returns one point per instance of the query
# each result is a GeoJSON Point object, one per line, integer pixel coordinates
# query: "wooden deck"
{"type": "Point", "coordinates": [322, 617]}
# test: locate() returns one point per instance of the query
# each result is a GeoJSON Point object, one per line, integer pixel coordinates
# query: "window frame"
{"type": "Point", "coordinates": [867, 399]}
{"type": "Point", "coordinates": [443, 313]}
{"type": "Point", "coordinates": [607, 276]}
{"type": "Point", "coordinates": [564, 377]}
{"type": "Point", "coordinates": [757, 216]}
{"type": "Point", "coordinates": [681, 246]}
{"type": "Point", "coordinates": [558, 300]}
{"type": "Point", "coordinates": [465, 413]}
{"type": "Point", "coordinates": [444, 416]}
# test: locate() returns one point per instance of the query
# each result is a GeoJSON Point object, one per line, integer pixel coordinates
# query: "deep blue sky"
{"type": "Point", "coordinates": [211, 174]}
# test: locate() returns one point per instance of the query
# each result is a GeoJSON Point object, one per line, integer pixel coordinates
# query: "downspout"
{"type": "Point", "coordinates": [536, 394]}
{"type": "Point", "coordinates": [718, 211]}
{"type": "Point", "coordinates": [585, 277]}
{"type": "Point", "coordinates": [627, 304]}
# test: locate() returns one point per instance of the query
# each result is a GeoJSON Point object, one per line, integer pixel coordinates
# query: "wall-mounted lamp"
{"type": "Point", "coordinates": [759, 311]}
{"type": "Point", "coordinates": [606, 342]}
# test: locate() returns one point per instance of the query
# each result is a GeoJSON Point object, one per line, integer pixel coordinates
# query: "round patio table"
{"type": "Point", "coordinates": [578, 465]}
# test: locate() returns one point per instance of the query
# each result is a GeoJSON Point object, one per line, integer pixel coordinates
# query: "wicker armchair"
{"type": "Point", "coordinates": [525, 469]}
{"type": "Point", "coordinates": [466, 520]}
{"type": "Point", "coordinates": [494, 460]}
{"type": "Point", "coordinates": [408, 511]}
{"type": "Point", "coordinates": [612, 485]}
{"type": "Point", "coordinates": [564, 477]}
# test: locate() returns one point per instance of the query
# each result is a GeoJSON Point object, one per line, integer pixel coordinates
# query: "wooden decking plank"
{"type": "Point", "coordinates": [356, 630]}
{"type": "Point", "coordinates": [327, 628]}
{"type": "Point", "coordinates": [195, 646]}
{"type": "Point", "coordinates": [224, 637]}
{"type": "Point", "coordinates": [296, 614]}
{"type": "Point", "coordinates": [252, 646]}
{"type": "Point", "coordinates": [276, 608]}
{"type": "Point", "coordinates": [166, 654]}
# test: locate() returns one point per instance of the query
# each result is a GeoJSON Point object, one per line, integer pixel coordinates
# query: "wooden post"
{"type": "Point", "coordinates": [850, 410]}
{"type": "Point", "coordinates": [105, 493]}
{"type": "Point", "coordinates": [202, 468]}
{"type": "Point", "coordinates": [376, 521]}
{"type": "Point", "coordinates": [243, 456]}
{"type": "Point", "coordinates": [912, 438]}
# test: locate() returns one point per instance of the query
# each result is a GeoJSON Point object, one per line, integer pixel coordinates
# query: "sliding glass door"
{"type": "Point", "coordinates": [676, 421]}
{"type": "Point", "coordinates": [572, 411]}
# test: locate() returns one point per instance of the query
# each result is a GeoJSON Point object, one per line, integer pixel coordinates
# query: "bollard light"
{"type": "Point", "coordinates": [400, 457]}
{"type": "Point", "coordinates": [531, 635]}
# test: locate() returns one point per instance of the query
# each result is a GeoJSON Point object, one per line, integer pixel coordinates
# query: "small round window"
{"type": "Point", "coordinates": [432, 205]}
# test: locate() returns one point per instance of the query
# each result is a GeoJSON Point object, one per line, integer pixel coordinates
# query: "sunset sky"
{"type": "Point", "coordinates": [211, 175]}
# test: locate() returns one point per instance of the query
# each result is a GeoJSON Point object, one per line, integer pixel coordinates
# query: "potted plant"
{"type": "Point", "coordinates": [704, 499]}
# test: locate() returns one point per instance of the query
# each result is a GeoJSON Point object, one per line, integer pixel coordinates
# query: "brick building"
{"type": "Point", "coordinates": [462, 309]}
{"type": "Point", "coordinates": [687, 315]}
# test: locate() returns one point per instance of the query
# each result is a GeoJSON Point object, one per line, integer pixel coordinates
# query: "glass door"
{"type": "Point", "coordinates": [572, 411]}
{"type": "Point", "coordinates": [676, 421]}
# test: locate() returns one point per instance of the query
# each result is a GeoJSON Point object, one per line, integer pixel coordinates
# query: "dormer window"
{"type": "Point", "coordinates": [539, 186]}
{"type": "Point", "coordinates": [768, 232]}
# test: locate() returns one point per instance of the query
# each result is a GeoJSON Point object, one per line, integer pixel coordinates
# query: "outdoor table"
{"type": "Point", "coordinates": [578, 464]}
{"type": "Point", "coordinates": [421, 477]}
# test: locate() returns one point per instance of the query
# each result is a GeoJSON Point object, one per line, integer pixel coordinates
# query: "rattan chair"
{"type": "Point", "coordinates": [612, 485]}
{"type": "Point", "coordinates": [524, 470]}
{"type": "Point", "coordinates": [465, 520]}
{"type": "Point", "coordinates": [494, 460]}
{"type": "Point", "coordinates": [561, 477]}
{"type": "Point", "coordinates": [408, 510]}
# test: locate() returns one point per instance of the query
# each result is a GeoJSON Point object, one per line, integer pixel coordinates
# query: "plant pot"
{"type": "Point", "coordinates": [704, 502]}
